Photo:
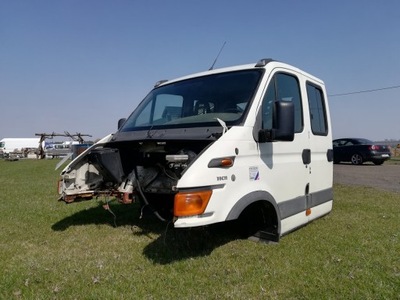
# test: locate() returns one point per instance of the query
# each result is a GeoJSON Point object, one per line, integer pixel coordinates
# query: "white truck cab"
{"type": "Point", "coordinates": [250, 142]}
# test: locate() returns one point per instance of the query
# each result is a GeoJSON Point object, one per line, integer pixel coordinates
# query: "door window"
{"type": "Point", "coordinates": [282, 87]}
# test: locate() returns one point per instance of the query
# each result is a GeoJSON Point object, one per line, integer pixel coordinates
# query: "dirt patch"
{"type": "Point", "coordinates": [386, 176]}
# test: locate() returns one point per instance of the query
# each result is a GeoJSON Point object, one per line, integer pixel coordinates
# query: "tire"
{"type": "Point", "coordinates": [378, 162]}
{"type": "Point", "coordinates": [356, 159]}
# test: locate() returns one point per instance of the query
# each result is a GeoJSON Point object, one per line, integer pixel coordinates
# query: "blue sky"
{"type": "Point", "coordinates": [79, 66]}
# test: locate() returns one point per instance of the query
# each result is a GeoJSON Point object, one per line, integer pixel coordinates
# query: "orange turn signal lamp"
{"type": "Point", "coordinates": [191, 203]}
{"type": "Point", "coordinates": [222, 162]}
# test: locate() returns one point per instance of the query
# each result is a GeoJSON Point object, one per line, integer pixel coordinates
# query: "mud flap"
{"type": "Point", "coordinates": [264, 237]}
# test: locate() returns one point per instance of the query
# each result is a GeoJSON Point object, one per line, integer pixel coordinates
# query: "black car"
{"type": "Point", "coordinates": [358, 151]}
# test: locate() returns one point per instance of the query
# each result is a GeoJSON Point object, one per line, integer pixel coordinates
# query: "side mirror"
{"type": "Point", "coordinates": [121, 122]}
{"type": "Point", "coordinates": [283, 128]}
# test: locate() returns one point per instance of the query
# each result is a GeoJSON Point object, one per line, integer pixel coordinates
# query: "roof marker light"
{"type": "Point", "coordinates": [160, 82]}
{"type": "Point", "coordinates": [263, 62]}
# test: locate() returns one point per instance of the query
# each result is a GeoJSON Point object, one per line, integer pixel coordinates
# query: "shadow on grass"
{"type": "Point", "coordinates": [118, 215]}
{"type": "Point", "coordinates": [171, 244]}
{"type": "Point", "coordinates": [181, 244]}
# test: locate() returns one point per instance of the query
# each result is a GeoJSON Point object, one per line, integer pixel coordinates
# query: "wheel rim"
{"type": "Point", "coordinates": [356, 159]}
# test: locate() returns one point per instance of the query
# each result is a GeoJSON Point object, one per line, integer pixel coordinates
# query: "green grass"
{"type": "Point", "coordinates": [50, 250]}
{"type": "Point", "coordinates": [393, 161]}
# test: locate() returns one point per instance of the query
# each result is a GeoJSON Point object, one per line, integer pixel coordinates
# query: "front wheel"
{"type": "Point", "coordinates": [356, 159]}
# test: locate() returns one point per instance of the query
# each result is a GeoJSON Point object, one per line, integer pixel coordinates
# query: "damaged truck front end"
{"type": "Point", "coordinates": [171, 128]}
{"type": "Point", "coordinates": [138, 170]}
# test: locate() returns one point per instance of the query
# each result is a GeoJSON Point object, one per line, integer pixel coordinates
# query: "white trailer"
{"type": "Point", "coordinates": [251, 143]}
{"type": "Point", "coordinates": [9, 145]}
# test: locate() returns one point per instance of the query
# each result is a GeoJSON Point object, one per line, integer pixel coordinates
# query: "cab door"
{"type": "Point", "coordinates": [287, 173]}
{"type": "Point", "coordinates": [321, 166]}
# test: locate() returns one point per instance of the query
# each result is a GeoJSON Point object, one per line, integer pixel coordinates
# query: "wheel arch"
{"type": "Point", "coordinates": [252, 198]}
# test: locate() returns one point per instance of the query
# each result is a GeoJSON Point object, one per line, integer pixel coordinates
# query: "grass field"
{"type": "Point", "coordinates": [50, 250]}
{"type": "Point", "coordinates": [394, 161]}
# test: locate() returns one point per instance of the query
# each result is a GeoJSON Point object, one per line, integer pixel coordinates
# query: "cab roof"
{"type": "Point", "coordinates": [262, 63]}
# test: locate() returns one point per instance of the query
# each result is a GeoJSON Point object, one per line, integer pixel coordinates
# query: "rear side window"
{"type": "Point", "coordinates": [317, 110]}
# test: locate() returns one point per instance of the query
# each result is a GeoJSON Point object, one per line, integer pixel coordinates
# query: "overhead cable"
{"type": "Point", "coordinates": [366, 91]}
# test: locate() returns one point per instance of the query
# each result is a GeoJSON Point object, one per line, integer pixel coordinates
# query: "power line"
{"type": "Point", "coordinates": [366, 91]}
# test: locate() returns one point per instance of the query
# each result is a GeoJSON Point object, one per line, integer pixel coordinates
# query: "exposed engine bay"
{"type": "Point", "coordinates": [145, 171]}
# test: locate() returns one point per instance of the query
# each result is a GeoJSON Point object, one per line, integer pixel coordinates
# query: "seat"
{"type": "Point", "coordinates": [201, 107]}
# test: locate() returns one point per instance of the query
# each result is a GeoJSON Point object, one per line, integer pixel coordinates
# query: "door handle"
{"type": "Point", "coordinates": [306, 156]}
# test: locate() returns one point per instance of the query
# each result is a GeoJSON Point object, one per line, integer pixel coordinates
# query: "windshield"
{"type": "Point", "coordinates": [197, 102]}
